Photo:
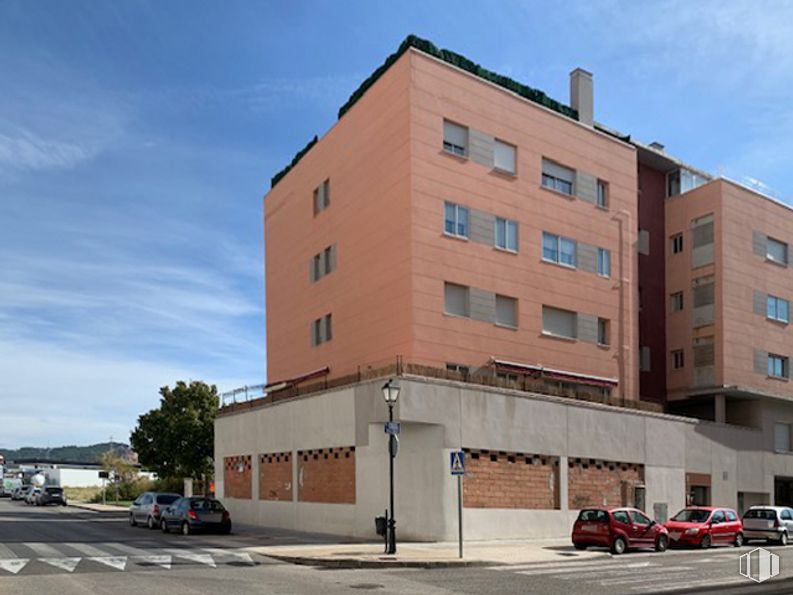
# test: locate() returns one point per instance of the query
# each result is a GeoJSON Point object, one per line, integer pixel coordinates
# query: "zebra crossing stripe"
{"type": "Point", "coordinates": [591, 568]}
{"type": "Point", "coordinates": [163, 561]}
{"type": "Point", "coordinates": [14, 565]}
{"type": "Point", "coordinates": [117, 562]}
{"type": "Point", "coordinates": [194, 557]}
{"type": "Point", "coordinates": [67, 564]}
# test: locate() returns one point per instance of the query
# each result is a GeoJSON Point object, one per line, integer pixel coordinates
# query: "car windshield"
{"type": "Point", "coordinates": [206, 505]}
{"type": "Point", "coordinates": [761, 513]}
{"type": "Point", "coordinates": [167, 499]}
{"type": "Point", "coordinates": [690, 515]}
{"type": "Point", "coordinates": [593, 516]}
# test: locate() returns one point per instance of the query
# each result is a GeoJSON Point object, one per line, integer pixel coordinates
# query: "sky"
{"type": "Point", "coordinates": [138, 138]}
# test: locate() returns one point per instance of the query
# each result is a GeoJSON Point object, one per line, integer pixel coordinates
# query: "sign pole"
{"type": "Point", "coordinates": [460, 511]}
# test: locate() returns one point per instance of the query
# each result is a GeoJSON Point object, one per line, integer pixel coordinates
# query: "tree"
{"type": "Point", "coordinates": [177, 439]}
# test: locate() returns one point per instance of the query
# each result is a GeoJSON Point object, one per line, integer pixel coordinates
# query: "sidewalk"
{"type": "Point", "coordinates": [429, 555]}
{"type": "Point", "coordinates": [98, 507]}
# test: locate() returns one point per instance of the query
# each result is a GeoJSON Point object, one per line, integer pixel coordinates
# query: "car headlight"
{"type": "Point", "coordinates": [692, 531]}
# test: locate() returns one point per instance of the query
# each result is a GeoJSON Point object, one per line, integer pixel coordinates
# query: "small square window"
{"type": "Point", "coordinates": [603, 331]}
{"type": "Point", "coordinates": [676, 300]}
{"type": "Point", "coordinates": [557, 177]}
{"type": "Point", "coordinates": [778, 366]}
{"type": "Point", "coordinates": [782, 437]}
{"type": "Point", "coordinates": [603, 194]}
{"type": "Point", "coordinates": [506, 234]}
{"type": "Point", "coordinates": [777, 309]}
{"type": "Point", "coordinates": [455, 138]}
{"type": "Point", "coordinates": [776, 251]}
{"type": "Point", "coordinates": [677, 243]}
{"type": "Point", "coordinates": [455, 299]}
{"type": "Point", "coordinates": [504, 158]}
{"type": "Point", "coordinates": [506, 311]}
{"type": "Point", "coordinates": [678, 360]}
{"type": "Point", "coordinates": [604, 262]}
{"type": "Point", "coordinates": [455, 220]}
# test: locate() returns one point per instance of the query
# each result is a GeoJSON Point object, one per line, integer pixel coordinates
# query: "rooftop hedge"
{"type": "Point", "coordinates": [427, 47]}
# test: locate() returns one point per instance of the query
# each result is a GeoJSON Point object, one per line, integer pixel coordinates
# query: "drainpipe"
{"type": "Point", "coordinates": [622, 218]}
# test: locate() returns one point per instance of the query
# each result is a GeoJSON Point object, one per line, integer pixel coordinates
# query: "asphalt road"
{"type": "Point", "coordinates": [71, 552]}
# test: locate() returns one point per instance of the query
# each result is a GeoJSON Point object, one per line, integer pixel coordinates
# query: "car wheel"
{"type": "Point", "coordinates": [579, 546]}
{"type": "Point", "coordinates": [132, 521]}
{"type": "Point", "coordinates": [783, 538]}
{"type": "Point", "coordinates": [705, 543]}
{"type": "Point", "coordinates": [618, 546]}
{"type": "Point", "coordinates": [164, 526]}
{"type": "Point", "coordinates": [225, 530]}
{"type": "Point", "coordinates": [661, 543]}
{"type": "Point", "coordinates": [738, 540]}
{"type": "Point", "coordinates": [150, 523]}
{"type": "Point", "coordinates": [185, 528]}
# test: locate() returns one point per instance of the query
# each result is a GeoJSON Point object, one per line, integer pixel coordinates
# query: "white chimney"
{"type": "Point", "coordinates": [581, 97]}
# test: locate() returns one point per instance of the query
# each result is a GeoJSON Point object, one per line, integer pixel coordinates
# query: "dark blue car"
{"type": "Point", "coordinates": [195, 513]}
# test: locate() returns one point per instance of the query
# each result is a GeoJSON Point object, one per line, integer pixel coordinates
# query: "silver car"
{"type": "Point", "coordinates": [772, 523]}
{"type": "Point", "coordinates": [147, 508]}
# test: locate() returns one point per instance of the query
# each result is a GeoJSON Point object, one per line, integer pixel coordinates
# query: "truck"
{"type": "Point", "coordinates": [8, 481]}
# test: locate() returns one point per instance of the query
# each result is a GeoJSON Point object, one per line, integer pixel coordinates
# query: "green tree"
{"type": "Point", "coordinates": [177, 439]}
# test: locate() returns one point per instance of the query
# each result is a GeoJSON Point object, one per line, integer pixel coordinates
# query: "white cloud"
{"type": "Point", "coordinates": [27, 151]}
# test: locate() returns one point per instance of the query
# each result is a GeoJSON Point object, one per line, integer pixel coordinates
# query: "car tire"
{"type": "Point", "coordinates": [163, 526]}
{"type": "Point", "coordinates": [150, 523]}
{"type": "Point", "coordinates": [738, 540]}
{"type": "Point", "coordinates": [185, 528]}
{"type": "Point", "coordinates": [783, 538]}
{"type": "Point", "coordinates": [579, 546]}
{"type": "Point", "coordinates": [661, 543]}
{"type": "Point", "coordinates": [618, 546]}
{"type": "Point", "coordinates": [132, 521]}
{"type": "Point", "coordinates": [225, 530]}
{"type": "Point", "coordinates": [705, 542]}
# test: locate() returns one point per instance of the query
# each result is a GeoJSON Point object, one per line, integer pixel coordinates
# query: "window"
{"type": "Point", "coordinates": [506, 234]}
{"type": "Point", "coordinates": [458, 368]}
{"type": "Point", "coordinates": [718, 517]}
{"type": "Point", "coordinates": [321, 330]}
{"type": "Point", "coordinates": [603, 194]}
{"type": "Point", "coordinates": [455, 299]}
{"type": "Point", "coordinates": [782, 437]}
{"type": "Point", "coordinates": [321, 197]}
{"type": "Point", "coordinates": [557, 177]}
{"type": "Point", "coordinates": [561, 323]}
{"type": "Point", "coordinates": [603, 331]}
{"type": "Point", "coordinates": [328, 260]}
{"type": "Point", "coordinates": [777, 309]}
{"type": "Point", "coordinates": [505, 157]}
{"type": "Point", "coordinates": [638, 518]}
{"type": "Point", "coordinates": [506, 311]}
{"type": "Point", "coordinates": [604, 262]}
{"type": "Point", "coordinates": [455, 220]}
{"type": "Point", "coordinates": [677, 243]}
{"type": "Point", "coordinates": [323, 263]}
{"type": "Point", "coordinates": [678, 360]}
{"type": "Point", "coordinates": [682, 180]}
{"type": "Point", "coordinates": [776, 251]}
{"type": "Point", "coordinates": [777, 366]}
{"type": "Point", "coordinates": [317, 266]}
{"type": "Point", "coordinates": [621, 516]}
{"type": "Point", "coordinates": [558, 249]}
{"type": "Point", "coordinates": [455, 138]}
{"type": "Point", "coordinates": [676, 300]}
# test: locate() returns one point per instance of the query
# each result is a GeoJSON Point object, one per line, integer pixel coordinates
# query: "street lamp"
{"type": "Point", "coordinates": [391, 395]}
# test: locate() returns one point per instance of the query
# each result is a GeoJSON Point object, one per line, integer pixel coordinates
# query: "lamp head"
{"type": "Point", "coordinates": [391, 392]}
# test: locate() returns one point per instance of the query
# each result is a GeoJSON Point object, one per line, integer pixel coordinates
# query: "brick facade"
{"type": "Point", "coordinates": [592, 482]}
{"type": "Point", "coordinates": [237, 477]}
{"type": "Point", "coordinates": [510, 480]}
{"type": "Point", "coordinates": [326, 475]}
{"type": "Point", "coordinates": [275, 476]}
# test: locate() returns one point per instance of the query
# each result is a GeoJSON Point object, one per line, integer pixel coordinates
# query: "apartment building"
{"type": "Point", "coordinates": [590, 319]}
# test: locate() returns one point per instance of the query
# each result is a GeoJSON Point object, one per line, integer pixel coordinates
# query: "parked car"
{"type": "Point", "coordinates": [32, 495]}
{"type": "Point", "coordinates": [21, 492]}
{"type": "Point", "coordinates": [147, 508]}
{"type": "Point", "coordinates": [704, 526]}
{"type": "Point", "coordinates": [618, 529]}
{"type": "Point", "coordinates": [51, 495]}
{"type": "Point", "coordinates": [196, 513]}
{"type": "Point", "coordinates": [772, 523]}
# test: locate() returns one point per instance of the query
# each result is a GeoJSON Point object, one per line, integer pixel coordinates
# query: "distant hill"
{"type": "Point", "coordinates": [77, 454]}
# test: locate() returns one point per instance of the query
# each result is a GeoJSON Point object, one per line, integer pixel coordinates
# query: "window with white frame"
{"type": "Point", "coordinates": [455, 138]}
{"type": "Point", "coordinates": [604, 262]}
{"type": "Point", "coordinates": [455, 220]}
{"type": "Point", "coordinates": [676, 301]}
{"type": "Point", "coordinates": [603, 194]}
{"type": "Point", "coordinates": [558, 322]}
{"type": "Point", "coordinates": [678, 360]}
{"type": "Point", "coordinates": [776, 251]}
{"type": "Point", "coordinates": [322, 330]}
{"type": "Point", "coordinates": [603, 331]}
{"type": "Point", "coordinates": [506, 311]}
{"type": "Point", "coordinates": [777, 309]}
{"type": "Point", "coordinates": [778, 366]}
{"type": "Point", "coordinates": [506, 234]}
{"type": "Point", "coordinates": [505, 157]}
{"type": "Point", "coordinates": [455, 300]}
{"type": "Point", "coordinates": [558, 249]}
{"type": "Point", "coordinates": [557, 177]}
{"type": "Point", "coordinates": [782, 437]}
{"type": "Point", "coordinates": [677, 243]}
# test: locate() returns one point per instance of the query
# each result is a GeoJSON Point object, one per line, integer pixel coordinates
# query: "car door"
{"type": "Point", "coordinates": [718, 527]}
{"type": "Point", "coordinates": [786, 519]}
{"type": "Point", "coordinates": [734, 525]}
{"type": "Point", "coordinates": [641, 526]}
{"type": "Point", "coordinates": [622, 525]}
{"type": "Point", "coordinates": [174, 512]}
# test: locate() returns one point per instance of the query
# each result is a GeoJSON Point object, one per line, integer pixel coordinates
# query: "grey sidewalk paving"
{"type": "Point", "coordinates": [99, 507]}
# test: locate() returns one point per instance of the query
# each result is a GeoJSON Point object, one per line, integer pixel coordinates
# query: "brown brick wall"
{"type": "Point", "coordinates": [237, 477]}
{"type": "Point", "coordinates": [275, 476]}
{"type": "Point", "coordinates": [592, 482]}
{"type": "Point", "coordinates": [326, 475]}
{"type": "Point", "coordinates": [510, 480]}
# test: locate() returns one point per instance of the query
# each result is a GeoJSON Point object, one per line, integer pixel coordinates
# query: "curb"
{"type": "Point", "coordinates": [90, 508]}
{"type": "Point", "coordinates": [357, 563]}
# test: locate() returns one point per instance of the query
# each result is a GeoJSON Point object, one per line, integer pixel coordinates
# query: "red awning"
{"type": "Point", "coordinates": [281, 384]}
{"type": "Point", "coordinates": [552, 374]}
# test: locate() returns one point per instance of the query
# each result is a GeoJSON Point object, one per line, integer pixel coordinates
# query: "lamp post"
{"type": "Point", "coordinates": [391, 394]}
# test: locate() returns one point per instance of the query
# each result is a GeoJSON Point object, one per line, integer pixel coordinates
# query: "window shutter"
{"type": "Point", "coordinates": [506, 311]}
{"type": "Point", "coordinates": [558, 171]}
{"type": "Point", "coordinates": [456, 299]}
{"type": "Point", "coordinates": [505, 157]}
{"type": "Point", "coordinates": [559, 322]}
{"type": "Point", "coordinates": [455, 134]}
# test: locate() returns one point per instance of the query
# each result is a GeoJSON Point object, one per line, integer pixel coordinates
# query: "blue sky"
{"type": "Point", "coordinates": [137, 139]}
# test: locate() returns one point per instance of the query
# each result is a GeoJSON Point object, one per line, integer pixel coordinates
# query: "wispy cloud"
{"type": "Point", "coordinates": [26, 150]}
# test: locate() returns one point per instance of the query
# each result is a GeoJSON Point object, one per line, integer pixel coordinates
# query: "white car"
{"type": "Point", "coordinates": [772, 523]}
{"type": "Point", "coordinates": [32, 495]}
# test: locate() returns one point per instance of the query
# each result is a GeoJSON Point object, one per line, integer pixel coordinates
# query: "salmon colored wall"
{"type": "Point", "coordinates": [440, 92]}
{"type": "Point", "coordinates": [366, 156]}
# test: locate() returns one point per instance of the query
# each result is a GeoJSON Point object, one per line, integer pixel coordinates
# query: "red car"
{"type": "Point", "coordinates": [703, 526]}
{"type": "Point", "coordinates": [618, 529]}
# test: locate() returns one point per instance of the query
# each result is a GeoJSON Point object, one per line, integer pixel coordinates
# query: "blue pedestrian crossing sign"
{"type": "Point", "coordinates": [457, 462]}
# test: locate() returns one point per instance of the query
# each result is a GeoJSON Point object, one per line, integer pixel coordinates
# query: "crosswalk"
{"type": "Point", "coordinates": [633, 574]}
{"type": "Point", "coordinates": [69, 557]}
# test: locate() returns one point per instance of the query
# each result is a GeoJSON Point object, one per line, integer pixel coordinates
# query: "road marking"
{"type": "Point", "coordinates": [164, 561]}
{"type": "Point", "coordinates": [126, 549]}
{"type": "Point", "coordinates": [67, 564]}
{"type": "Point", "coordinates": [708, 582]}
{"type": "Point", "coordinates": [6, 552]}
{"type": "Point", "coordinates": [43, 549]}
{"type": "Point", "coordinates": [560, 564]}
{"type": "Point", "coordinates": [194, 557]}
{"type": "Point", "coordinates": [646, 576]}
{"type": "Point", "coordinates": [601, 568]}
{"type": "Point", "coordinates": [14, 565]}
{"type": "Point", "coordinates": [117, 562]}
{"type": "Point", "coordinates": [86, 549]}
{"type": "Point", "coordinates": [237, 557]}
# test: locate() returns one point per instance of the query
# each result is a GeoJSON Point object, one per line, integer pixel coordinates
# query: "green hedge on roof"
{"type": "Point", "coordinates": [411, 41]}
